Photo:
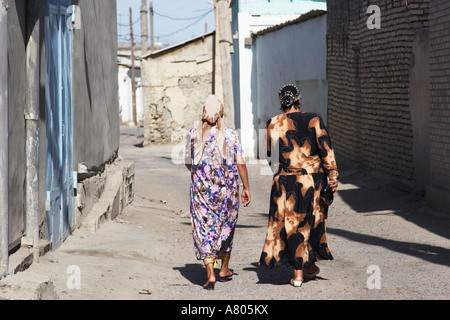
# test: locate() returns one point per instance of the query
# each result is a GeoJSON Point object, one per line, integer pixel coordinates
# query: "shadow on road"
{"type": "Point", "coordinates": [195, 273]}
{"type": "Point", "coordinates": [426, 252]}
{"type": "Point", "coordinates": [280, 276]}
{"type": "Point", "coordinates": [372, 197]}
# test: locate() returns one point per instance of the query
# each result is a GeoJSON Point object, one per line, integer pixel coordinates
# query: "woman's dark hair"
{"type": "Point", "coordinates": [289, 96]}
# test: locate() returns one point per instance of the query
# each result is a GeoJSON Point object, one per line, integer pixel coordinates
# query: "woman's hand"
{"type": "Point", "coordinates": [334, 185]}
{"type": "Point", "coordinates": [246, 197]}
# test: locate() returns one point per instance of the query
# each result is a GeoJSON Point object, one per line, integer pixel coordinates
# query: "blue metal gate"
{"type": "Point", "coordinates": [59, 124]}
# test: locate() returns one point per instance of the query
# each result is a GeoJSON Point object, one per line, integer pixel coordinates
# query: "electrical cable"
{"type": "Point", "coordinates": [184, 28]}
{"type": "Point", "coordinates": [127, 37]}
{"type": "Point", "coordinates": [181, 19]}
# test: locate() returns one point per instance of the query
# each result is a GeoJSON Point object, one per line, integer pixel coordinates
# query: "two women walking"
{"type": "Point", "coordinates": [300, 150]}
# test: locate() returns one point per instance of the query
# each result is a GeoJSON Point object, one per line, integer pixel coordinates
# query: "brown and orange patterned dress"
{"type": "Point", "coordinates": [302, 156]}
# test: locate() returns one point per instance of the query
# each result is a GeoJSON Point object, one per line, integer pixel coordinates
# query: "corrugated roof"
{"type": "Point", "coordinates": [304, 17]}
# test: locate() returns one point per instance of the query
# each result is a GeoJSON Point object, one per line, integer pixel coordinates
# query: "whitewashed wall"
{"type": "Point", "coordinates": [247, 89]}
{"type": "Point", "coordinates": [244, 64]}
{"type": "Point", "coordinates": [294, 54]}
{"type": "Point", "coordinates": [126, 96]}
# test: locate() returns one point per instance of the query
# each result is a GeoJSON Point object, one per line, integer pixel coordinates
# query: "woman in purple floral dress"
{"type": "Point", "coordinates": [214, 157]}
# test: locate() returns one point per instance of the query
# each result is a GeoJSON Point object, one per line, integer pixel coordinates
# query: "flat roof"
{"type": "Point", "coordinates": [304, 17]}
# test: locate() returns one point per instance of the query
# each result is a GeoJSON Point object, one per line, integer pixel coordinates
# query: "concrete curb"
{"type": "Point", "coordinates": [24, 286]}
{"type": "Point", "coordinates": [117, 194]}
{"type": "Point", "coordinates": [114, 190]}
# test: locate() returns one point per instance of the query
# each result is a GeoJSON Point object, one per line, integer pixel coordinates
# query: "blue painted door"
{"type": "Point", "coordinates": [59, 125]}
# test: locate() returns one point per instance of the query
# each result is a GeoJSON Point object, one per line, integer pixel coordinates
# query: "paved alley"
{"type": "Point", "coordinates": [386, 243]}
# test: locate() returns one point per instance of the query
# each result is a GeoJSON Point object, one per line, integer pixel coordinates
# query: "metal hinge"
{"type": "Point", "coordinates": [31, 116]}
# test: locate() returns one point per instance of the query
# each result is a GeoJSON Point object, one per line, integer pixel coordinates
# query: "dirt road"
{"type": "Point", "coordinates": [386, 244]}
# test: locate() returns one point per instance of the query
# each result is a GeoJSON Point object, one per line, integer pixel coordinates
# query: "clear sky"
{"type": "Point", "coordinates": [175, 21]}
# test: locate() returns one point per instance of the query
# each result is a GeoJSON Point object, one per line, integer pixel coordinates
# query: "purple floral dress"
{"type": "Point", "coordinates": [214, 195]}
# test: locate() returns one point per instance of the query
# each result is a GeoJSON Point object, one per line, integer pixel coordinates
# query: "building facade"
{"type": "Point", "coordinates": [388, 91]}
{"type": "Point", "coordinates": [129, 115]}
{"type": "Point", "coordinates": [63, 126]}
{"type": "Point", "coordinates": [293, 52]}
{"type": "Point", "coordinates": [438, 191]}
{"type": "Point", "coordinates": [177, 81]}
{"type": "Point", "coordinates": [249, 17]}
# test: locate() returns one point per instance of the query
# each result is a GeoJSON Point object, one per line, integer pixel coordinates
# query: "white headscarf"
{"type": "Point", "coordinates": [212, 116]}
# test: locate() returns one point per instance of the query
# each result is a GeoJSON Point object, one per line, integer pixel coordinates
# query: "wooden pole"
{"type": "Point", "coordinates": [225, 44]}
{"type": "Point", "coordinates": [31, 237]}
{"type": "Point", "coordinates": [4, 140]}
{"type": "Point", "coordinates": [133, 70]}
{"type": "Point", "coordinates": [144, 28]}
{"type": "Point", "coordinates": [152, 27]}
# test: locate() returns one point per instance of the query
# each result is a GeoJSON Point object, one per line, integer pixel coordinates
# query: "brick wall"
{"type": "Point", "coordinates": [368, 75]}
{"type": "Point", "coordinates": [439, 189]}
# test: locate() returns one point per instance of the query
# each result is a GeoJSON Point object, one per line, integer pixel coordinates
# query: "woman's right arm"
{"type": "Point", "coordinates": [243, 173]}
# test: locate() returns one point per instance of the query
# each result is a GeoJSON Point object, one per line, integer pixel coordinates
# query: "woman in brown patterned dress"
{"type": "Point", "coordinates": [302, 157]}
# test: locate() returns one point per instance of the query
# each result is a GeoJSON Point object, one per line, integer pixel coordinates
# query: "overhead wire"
{"type": "Point", "coordinates": [127, 37]}
{"type": "Point", "coordinates": [182, 19]}
{"type": "Point", "coordinates": [184, 28]}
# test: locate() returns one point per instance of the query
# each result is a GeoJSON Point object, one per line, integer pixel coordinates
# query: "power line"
{"type": "Point", "coordinates": [185, 27]}
{"type": "Point", "coordinates": [127, 37]}
{"type": "Point", "coordinates": [168, 17]}
{"type": "Point", "coordinates": [182, 19]}
{"type": "Point", "coordinates": [127, 25]}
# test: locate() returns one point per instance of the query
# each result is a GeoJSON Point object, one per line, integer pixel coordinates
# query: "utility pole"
{"type": "Point", "coordinates": [133, 70]}
{"type": "Point", "coordinates": [4, 140]}
{"type": "Point", "coordinates": [144, 28]}
{"type": "Point", "coordinates": [144, 51]}
{"type": "Point", "coordinates": [152, 28]}
{"type": "Point", "coordinates": [31, 237]}
{"type": "Point", "coordinates": [226, 44]}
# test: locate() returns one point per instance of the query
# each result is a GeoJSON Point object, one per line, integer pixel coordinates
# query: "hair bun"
{"type": "Point", "coordinates": [286, 101]}
{"type": "Point", "coordinates": [288, 95]}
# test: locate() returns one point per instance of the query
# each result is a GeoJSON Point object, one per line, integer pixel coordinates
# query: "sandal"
{"type": "Point", "coordinates": [227, 278]}
{"type": "Point", "coordinates": [296, 283]}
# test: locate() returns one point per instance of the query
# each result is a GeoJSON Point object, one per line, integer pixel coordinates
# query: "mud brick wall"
{"type": "Point", "coordinates": [440, 101]}
{"type": "Point", "coordinates": [368, 75]}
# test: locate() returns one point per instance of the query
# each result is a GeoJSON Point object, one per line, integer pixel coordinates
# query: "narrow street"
{"type": "Point", "coordinates": [386, 244]}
